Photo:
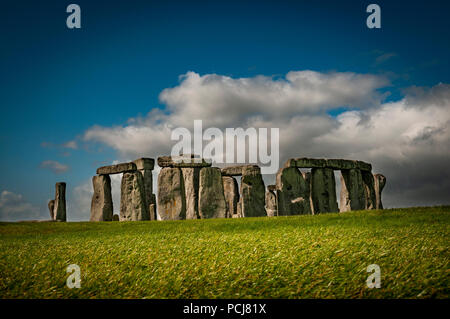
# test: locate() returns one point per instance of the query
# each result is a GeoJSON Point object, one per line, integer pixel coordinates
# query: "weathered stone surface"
{"type": "Point", "coordinates": [306, 162]}
{"type": "Point", "coordinates": [231, 192]}
{"type": "Point", "coordinates": [182, 161]}
{"type": "Point", "coordinates": [307, 178]}
{"type": "Point", "coordinates": [152, 208]}
{"type": "Point", "coordinates": [271, 203]}
{"type": "Point", "coordinates": [352, 195]}
{"type": "Point", "coordinates": [115, 218]}
{"type": "Point", "coordinates": [191, 185]}
{"type": "Point", "coordinates": [51, 206]}
{"type": "Point", "coordinates": [237, 169]}
{"type": "Point", "coordinates": [59, 211]}
{"type": "Point", "coordinates": [337, 164]}
{"type": "Point", "coordinates": [171, 194]}
{"type": "Point", "coordinates": [211, 201]}
{"type": "Point", "coordinates": [323, 190]}
{"type": "Point", "coordinates": [148, 186]}
{"type": "Point", "coordinates": [293, 192]}
{"type": "Point", "coordinates": [144, 163]}
{"type": "Point", "coordinates": [253, 192]}
{"type": "Point", "coordinates": [133, 205]}
{"type": "Point", "coordinates": [380, 181]}
{"type": "Point", "coordinates": [101, 204]}
{"type": "Point", "coordinates": [369, 189]}
{"type": "Point", "coordinates": [116, 169]}
{"type": "Point", "coordinates": [239, 211]}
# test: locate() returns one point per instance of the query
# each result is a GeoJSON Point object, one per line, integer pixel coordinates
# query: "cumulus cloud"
{"type": "Point", "coordinates": [14, 207]}
{"type": "Point", "coordinates": [406, 140]}
{"type": "Point", "coordinates": [54, 166]}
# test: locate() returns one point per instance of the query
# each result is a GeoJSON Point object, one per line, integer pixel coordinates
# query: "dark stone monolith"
{"type": "Point", "coordinates": [323, 190]}
{"type": "Point", "coordinates": [211, 203]}
{"type": "Point", "coordinates": [253, 192]}
{"type": "Point", "coordinates": [171, 194]}
{"type": "Point", "coordinates": [293, 192]}
{"type": "Point", "coordinates": [59, 210]}
{"type": "Point", "coordinates": [231, 192]}
{"type": "Point", "coordinates": [352, 195]}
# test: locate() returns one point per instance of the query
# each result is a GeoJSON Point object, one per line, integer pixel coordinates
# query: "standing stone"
{"type": "Point", "coordinates": [152, 208]}
{"type": "Point", "coordinates": [293, 192]}
{"type": "Point", "coordinates": [231, 192]}
{"type": "Point", "coordinates": [352, 195]}
{"type": "Point", "coordinates": [101, 204]}
{"type": "Point", "coordinates": [191, 179]}
{"type": "Point", "coordinates": [253, 192]}
{"type": "Point", "coordinates": [380, 181]}
{"type": "Point", "coordinates": [145, 166]}
{"type": "Point", "coordinates": [369, 189]}
{"type": "Point", "coordinates": [307, 178]}
{"type": "Point", "coordinates": [171, 194]}
{"type": "Point", "coordinates": [115, 218]}
{"type": "Point", "coordinates": [323, 190]}
{"type": "Point", "coordinates": [59, 210]}
{"type": "Point", "coordinates": [211, 201]}
{"type": "Point", "coordinates": [51, 206]}
{"type": "Point", "coordinates": [271, 203]}
{"type": "Point", "coordinates": [239, 211]}
{"type": "Point", "coordinates": [133, 205]}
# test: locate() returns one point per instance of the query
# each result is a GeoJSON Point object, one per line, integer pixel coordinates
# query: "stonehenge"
{"type": "Point", "coordinates": [59, 208]}
{"type": "Point", "coordinates": [189, 187]}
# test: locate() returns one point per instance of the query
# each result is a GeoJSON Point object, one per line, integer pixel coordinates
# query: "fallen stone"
{"type": "Point", "coordinates": [51, 206]}
{"type": "Point", "coordinates": [236, 170]}
{"type": "Point", "coordinates": [323, 190]}
{"type": "Point", "coordinates": [116, 169]}
{"type": "Point", "coordinates": [133, 205]}
{"type": "Point", "coordinates": [231, 192]}
{"type": "Point", "coordinates": [171, 194]}
{"type": "Point", "coordinates": [59, 210]}
{"type": "Point", "coordinates": [369, 190]}
{"type": "Point", "coordinates": [253, 192]}
{"type": "Point", "coordinates": [211, 201]}
{"type": "Point", "coordinates": [292, 192]}
{"type": "Point", "coordinates": [271, 203]}
{"type": "Point", "coordinates": [352, 195]}
{"type": "Point", "coordinates": [101, 203]}
{"type": "Point", "coordinates": [191, 185]}
{"type": "Point", "coordinates": [182, 161]}
{"type": "Point", "coordinates": [144, 163]}
{"type": "Point", "coordinates": [380, 181]}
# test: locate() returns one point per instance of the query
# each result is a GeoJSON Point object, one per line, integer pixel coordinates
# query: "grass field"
{"type": "Point", "coordinates": [322, 256]}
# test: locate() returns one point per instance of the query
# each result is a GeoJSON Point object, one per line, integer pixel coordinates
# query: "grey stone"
{"type": "Point", "coordinates": [133, 205]}
{"type": "Point", "coordinates": [115, 218]}
{"type": "Point", "coordinates": [380, 181]}
{"type": "Point", "coordinates": [152, 208]}
{"type": "Point", "coordinates": [144, 163]}
{"type": "Point", "coordinates": [101, 204]}
{"type": "Point", "coordinates": [369, 189]}
{"type": "Point", "coordinates": [59, 210]}
{"type": "Point", "coordinates": [148, 186]}
{"type": "Point", "coordinates": [352, 195]}
{"type": "Point", "coordinates": [293, 192]}
{"type": "Point", "coordinates": [337, 164]}
{"type": "Point", "coordinates": [182, 161]}
{"type": "Point", "coordinates": [171, 194]}
{"type": "Point", "coordinates": [271, 203]}
{"type": "Point", "coordinates": [231, 192]}
{"type": "Point", "coordinates": [211, 201]}
{"type": "Point", "coordinates": [51, 206]}
{"type": "Point", "coordinates": [253, 192]}
{"type": "Point", "coordinates": [306, 162]}
{"type": "Point", "coordinates": [323, 190]}
{"type": "Point", "coordinates": [236, 170]}
{"type": "Point", "coordinates": [191, 185]}
{"type": "Point", "coordinates": [116, 169]}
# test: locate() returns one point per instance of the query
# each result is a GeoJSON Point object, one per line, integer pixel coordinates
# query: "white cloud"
{"type": "Point", "coordinates": [54, 166]}
{"type": "Point", "coordinates": [14, 207]}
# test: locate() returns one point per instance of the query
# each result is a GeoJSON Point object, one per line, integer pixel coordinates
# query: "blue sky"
{"type": "Point", "coordinates": [57, 83]}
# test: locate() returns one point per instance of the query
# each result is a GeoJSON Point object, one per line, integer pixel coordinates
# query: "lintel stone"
{"type": "Point", "coordinates": [116, 169]}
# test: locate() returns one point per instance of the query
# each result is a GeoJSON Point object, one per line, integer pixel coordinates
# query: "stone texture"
{"type": "Point", "coordinates": [152, 211]}
{"type": "Point", "coordinates": [380, 181]}
{"type": "Point", "coordinates": [369, 189]}
{"type": "Point", "coordinates": [115, 218]}
{"type": "Point", "coordinates": [231, 192]}
{"type": "Point", "coordinates": [59, 210]}
{"type": "Point", "coordinates": [306, 162]}
{"type": "Point", "coordinates": [352, 195]}
{"type": "Point", "coordinates": [323, 190]}
{"type": "Point", "coordinates": [337, 164]}
{"type": "Point", "coordinates": [253, 192]}
{"type": "Point", "coordinates": [133, 205]}
{"type": "Point", "coordinates": [307, 178]}
{"type": "Point", "coordinates": [271, 203]}
{"type": "Point", "coordinates": [51, 206]}
{"type": "Point", "coordinates": [293, 192]}
{"type": "Point", "coordinates": [171, 194]}
{"type": "Point", "coordinates": [191, 185]}
{"type": "Point", "coordinates": [101, 204]}
{"type": "Point", "coordinates": [211, 201]}
{"type": "Point", "coordinates": [236, 170]}
{"type": "Point", "coordinates": [182, 161]}
{"type": "Point", "coordinates": [116, 169]}
{"type": "Point", "coordinates": [148, 187]}
{"type": "Point", "coordinates": [144, 163]}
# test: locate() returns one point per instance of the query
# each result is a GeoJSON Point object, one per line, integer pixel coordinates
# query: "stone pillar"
{"type": "Point", "coordinates": [115, 218]}
{"type": "Point", "coordinates": [145, 166]}
{"type": "Point", "coordinates": [59, 210]}
{"type": "Point", "coordinates": [323, 190]}
{"type": "Point", "coordinates": [171, 194]}
{"type": "Point", "coordinates": [191, 185]}
{"type": "Point", "coordinates": [352, 195]}
{"type": "Point", "coordinates": [231, 192]}
{"type": "Point", "coordinates": [271, 201]}
{"type": "Point", "coordinates": [101, 204]}
{"type": "Point", "coordinates": [133, 205]}
{"type": "Point", "coordinates": [293, 192]}
{"type": "Point", "coordinates": [51, 206]}
{"type": "Point", "coordinates": [369, 189]}
{"type": "Point", "coordinates": [253, 192]}
{"type": "Point", "coordinates": [211, 202]}
{"type": "Point", "coordinates": [380, 181]}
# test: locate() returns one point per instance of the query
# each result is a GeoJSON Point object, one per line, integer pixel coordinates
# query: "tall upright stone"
{"type": "Point", "coordinates": [380, 181]}
{"type": "Point", "coordinates": [171, 194]}
{"type": "Point", "coordinates": [231, 192]}
{"type": "Point", "coordinates": [211, 201]}
{"type": "Point", "coordinates": [145, 166]}
{"type": "Point", "coordinates": [323, 190]}
{"type": "Point", "coordinates": [59, 210]}
{"type": "Point", "coordinates": [253, 192]}
{"type": "Point", "coordinates": [293, 192]}
{"type": "Point", "coordinates": [51, 206]}
{"type": "Point", "coordinates": [133, 205]}
{"type": "Point", "coordinates": [352, 195]}
{"type": "Point", "coordinates": [101, 204]}
{"type": "Point", "coordinates": [369, 189]}
{"type": "Point", "coordinates": [271, 203]}
{"type": "Point", "coordinates": [191, 185]}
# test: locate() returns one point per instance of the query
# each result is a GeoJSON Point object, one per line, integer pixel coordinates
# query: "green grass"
{"type": "Point", "coordinates": [323, 256]}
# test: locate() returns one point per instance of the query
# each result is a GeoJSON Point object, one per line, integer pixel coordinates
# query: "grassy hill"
{"type": "Point", "coordinates": [322, 256]}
